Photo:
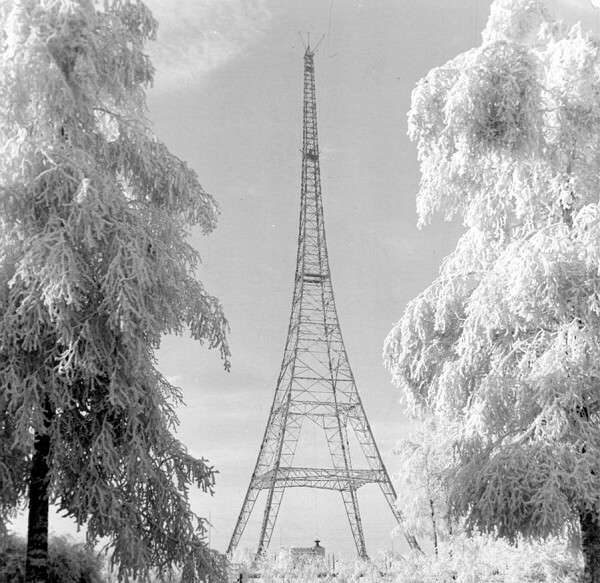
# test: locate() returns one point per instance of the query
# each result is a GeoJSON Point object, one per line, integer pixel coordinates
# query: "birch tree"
{"type": "Point", "coordinates": [425, 459]}
{"type": "Point", "coordinates": [506, 341]}
{"type": "Point", "coordinates": [95, 267]}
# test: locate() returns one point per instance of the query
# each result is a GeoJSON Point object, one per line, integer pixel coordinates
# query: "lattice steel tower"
{"type": "Point", "coordinates": [315, 382]}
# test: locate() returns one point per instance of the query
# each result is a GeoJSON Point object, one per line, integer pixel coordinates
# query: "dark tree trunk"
{"type": "Point", "coordinates": [36, 566]}
{"type": "Point", "coordinates": [590, 542]}
{"type": "Point", "coordinates": [435, 536]}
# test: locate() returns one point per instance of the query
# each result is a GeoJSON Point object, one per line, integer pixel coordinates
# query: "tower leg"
{"type": "Point", "coordinates": [277, 450]}
{"type": "Point", "coordinates": [339, 448]}
{"type": "Point", "coordinates": [240, 525]}
{"type": "Point", "coordinates": [270, 517]}
{"type": "Point", "coordinates": [286, 448]}
{"type": "Point", "coordinates": [265, 459]}
{"type": "Point", "coordinates": [371, 451]}
{"type": "Point", "coordinates": [390, 496]}
{"type": "Point", "coordinates": [351, 504]}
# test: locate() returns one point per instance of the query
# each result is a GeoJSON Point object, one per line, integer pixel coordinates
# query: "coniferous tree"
{"type": "Point", "coordinates": [94, 268]}
{"type": "Point", "coordinates": [506, 342]}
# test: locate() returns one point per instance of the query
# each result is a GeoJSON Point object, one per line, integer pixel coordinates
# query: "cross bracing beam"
{"type": "Point", "coordinates": [326, 479]}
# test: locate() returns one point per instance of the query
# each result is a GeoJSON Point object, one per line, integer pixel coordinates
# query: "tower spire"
{"type": "Point", "coordinates": [315, 381]}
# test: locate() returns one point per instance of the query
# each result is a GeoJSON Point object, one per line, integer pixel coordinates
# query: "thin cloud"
{"type": "Point", "coordinates": [197, 36]}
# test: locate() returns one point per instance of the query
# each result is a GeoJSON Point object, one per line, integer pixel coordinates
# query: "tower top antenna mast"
{"type": "Point", "coordinates": [306, 45]}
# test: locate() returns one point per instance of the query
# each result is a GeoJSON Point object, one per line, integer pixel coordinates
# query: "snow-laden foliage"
{"type": "Point", "coordinates": [68, 562]}
{"type": "Point", "coordinates": [451, 553]}
{"type": "Point", "coordinates": [287, 566]}
{"type": "Point", "coordinates": [505, 344]}
{"type": "Point", "coordinates": [94, 268]}
{"type": "Point", "coordinates": [426, 459]}
{"type": "Point", "coordinates": [515, 21]}
{"type": "Point", "coordinates": [463, 559]}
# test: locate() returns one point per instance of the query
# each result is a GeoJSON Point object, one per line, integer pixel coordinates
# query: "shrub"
{"type": "Point", "coordinates": [68, 562]}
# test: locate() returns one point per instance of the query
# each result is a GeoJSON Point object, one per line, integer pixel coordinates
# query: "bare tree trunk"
{"type": "Point", "coordinates": [435, 535]}
{"type": "Point", "coordinates": [590, 542]}
{"type": "Point", "coordinates": [36, 566]}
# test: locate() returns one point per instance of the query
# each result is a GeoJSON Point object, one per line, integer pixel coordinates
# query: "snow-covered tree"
{"type": "Point", "coordinates": [506, 341]}
{"type": "Point", "coordinates": [425, 460]}
{"type": "Point", "coordinates": [94, 267]}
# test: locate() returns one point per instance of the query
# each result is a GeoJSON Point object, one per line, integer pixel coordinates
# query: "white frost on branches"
{"type": "Point", "coordinates": [506, 342]}
{"type": "Point", "coordinates": [95, 267]}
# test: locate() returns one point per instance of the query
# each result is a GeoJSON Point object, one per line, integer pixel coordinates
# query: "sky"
{"type": "Point", "coordinates": [230, 103]}
{"type": "Point", "coordinates": [228, 99]}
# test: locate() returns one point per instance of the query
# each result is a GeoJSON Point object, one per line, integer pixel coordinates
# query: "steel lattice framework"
{"type": "Point", "coordinates": [315, 382]}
